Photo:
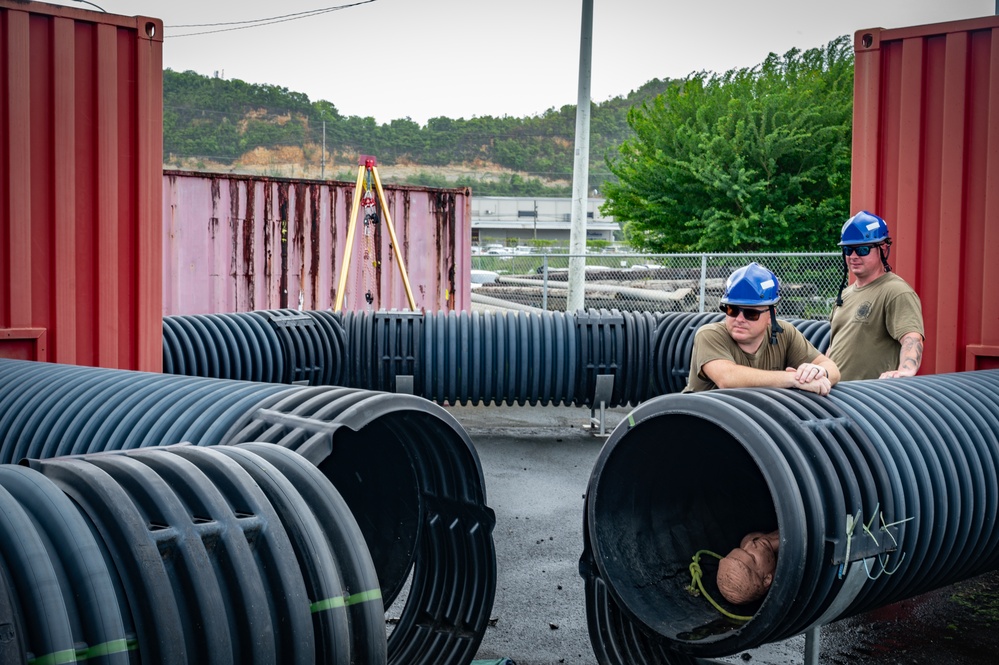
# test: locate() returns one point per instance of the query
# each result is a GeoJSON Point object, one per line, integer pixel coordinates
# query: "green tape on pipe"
{"type": "Point", "coordinates": [344, 601]}
{"type": "Point", "coordinates": [81, 655]}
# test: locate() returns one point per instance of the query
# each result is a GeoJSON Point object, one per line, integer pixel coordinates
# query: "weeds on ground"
{"type": "Point", "coordinates": [981, 598]}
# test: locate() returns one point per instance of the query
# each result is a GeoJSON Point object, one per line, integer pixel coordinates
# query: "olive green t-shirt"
{"type": "Point", "coordinates": [713, 342]}
{"type": "Point", "coordinates": [864, 330]}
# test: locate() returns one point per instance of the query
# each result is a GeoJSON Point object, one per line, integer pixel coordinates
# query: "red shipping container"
{"type": "Point", "coordinates": [81, 177]}
{"type": "Point", "coordinates": [926, 158]}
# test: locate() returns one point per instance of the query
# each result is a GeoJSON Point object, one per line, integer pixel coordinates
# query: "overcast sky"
{"type": "Point", "coordinates": [391, 59]}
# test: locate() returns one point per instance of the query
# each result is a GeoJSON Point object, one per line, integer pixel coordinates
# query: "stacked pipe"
{"type": "Point", "coordinates": [272, 346]}
{"type": "Point", "coordinates": [379, 348]}
{"type": "Point", "coordinates": [881, 491]}
{"type": "Point", "coordinates": [673, 344]}
{"type": "Point", "coordinates": [432, 530]}
{"type": "Point", "coordinates": [499, 358]}
{"type": "Point", "coordinates": [454, 357]}
{"type": "Point", "coordinates": [184, 554]}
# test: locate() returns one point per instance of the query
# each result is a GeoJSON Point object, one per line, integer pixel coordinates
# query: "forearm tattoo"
{"type": "Point", "coordinates": [911, 354]}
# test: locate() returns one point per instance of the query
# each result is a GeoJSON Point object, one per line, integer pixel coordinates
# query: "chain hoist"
{"type": "Point", "coordinates": [371, 197]}
{"type": "Point", "coordinates": [368, 203]}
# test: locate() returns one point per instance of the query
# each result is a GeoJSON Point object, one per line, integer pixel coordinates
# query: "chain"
{"type": "Point", "coordinates": [370, 219]}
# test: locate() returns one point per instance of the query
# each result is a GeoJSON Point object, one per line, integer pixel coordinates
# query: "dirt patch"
{"type": "Point", "coordinates": [296, 162]}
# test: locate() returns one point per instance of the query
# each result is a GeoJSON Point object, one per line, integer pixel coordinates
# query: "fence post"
{"type": "Point", "coordinates": [704, 279]}
{"type": "Point", "coordinates": [544, 282]}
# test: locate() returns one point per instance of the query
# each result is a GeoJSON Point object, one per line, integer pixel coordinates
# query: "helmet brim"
{"type": "Point", "coordinates": [857, 243]}
{"type": "Point", "coordinates": [750, 303]}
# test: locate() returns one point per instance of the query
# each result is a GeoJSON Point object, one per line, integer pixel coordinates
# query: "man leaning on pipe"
{"type": "Point", "coordinates": [876, 327]}
{"type": "Point", "coordinates": [751, 348]}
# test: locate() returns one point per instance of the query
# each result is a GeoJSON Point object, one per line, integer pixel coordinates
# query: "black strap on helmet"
{"type": "Point", "coordinates": [842, 285]}
{"type": "Point", "coordinates": [885, 252]}
{"type": "Point", "coordinates": [774, 326]}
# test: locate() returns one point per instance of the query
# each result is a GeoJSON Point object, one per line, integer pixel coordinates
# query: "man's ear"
{"type": "Point", "coordinates": [768, 580]}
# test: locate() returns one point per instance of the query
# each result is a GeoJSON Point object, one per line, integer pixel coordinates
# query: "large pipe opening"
{"type": "Point", "coordinates": [659, 502]}
{"type": "Point", "coordinates": [872, 489]}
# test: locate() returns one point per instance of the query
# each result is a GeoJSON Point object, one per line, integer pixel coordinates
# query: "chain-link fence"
{"type": "Point", "coordinates": [653, 282]}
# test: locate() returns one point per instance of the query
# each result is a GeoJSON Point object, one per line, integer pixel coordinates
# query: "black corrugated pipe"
{"type": "Point", "coordinates": [639, 366]}
{"type": "Point", "coordinates": [435, 516]}
{"type": "Point", "coordinates": [601, 351]}
{"type": "Point", "coordinates": [184, 554]}
{"type": "Point", "coordinates": [331, 328]}
{"type": "Point", "coordinates": [241, 346]}
{"type": "Point", "coordinates": [913, 460]}
{"type": "Point", "coordinates": [453, 357]}
{"type": "Point", "coordinates": [432, 528]}
{"type": "Point", "coordinates": [672, 359]}
{"type": "Point", "coordinates": [487, 357]}
{"type": "Point", "coordinates": [383, 346]}
{"type": "Point", "coordinates": [60, 598]}
{"type": "Point", "coordinates": [273, 346]}
{"type": "Point", "coordinates": [532, 358]}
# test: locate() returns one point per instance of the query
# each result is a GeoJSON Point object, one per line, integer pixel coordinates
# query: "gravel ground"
{"type": "Point", "coordinates": [537, 462]}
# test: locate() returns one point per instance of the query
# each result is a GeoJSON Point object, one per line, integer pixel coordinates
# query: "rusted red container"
{"type": "Point", "coordinates": [236, 243]}
{"type": "Point", "coordinates": [81, 177]}
{"type": "Point", "coordinates": [926, 158]}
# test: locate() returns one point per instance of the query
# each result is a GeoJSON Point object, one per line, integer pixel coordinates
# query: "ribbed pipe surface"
{"type": "Point", "coordinates": [432, 529]}
{"type": "Point", "coordinates": [697, 472]}
{"type": "Point", "coordinates": [536, 358]}
{"type": "Point", "coordinates": [272, 346]}
{"type": "Point", "coordinates": [184, 554]}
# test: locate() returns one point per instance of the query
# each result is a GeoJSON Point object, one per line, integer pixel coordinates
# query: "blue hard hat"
{"type": "Point", "coordinates": [864, 229]}
{"type": "Point", "coordinates": [751, 285]}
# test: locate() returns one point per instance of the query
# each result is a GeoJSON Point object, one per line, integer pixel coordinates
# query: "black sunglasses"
{"type": "Point", "coordinates": [750, 314]}
{"type": "Point", "coordinates": [861, 250]}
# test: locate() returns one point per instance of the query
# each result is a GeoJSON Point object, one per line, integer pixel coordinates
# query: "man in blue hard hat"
{"type": "Point", "coordinates": [750, 348]}
{"type": "Point", "coordinates": [876, 326]}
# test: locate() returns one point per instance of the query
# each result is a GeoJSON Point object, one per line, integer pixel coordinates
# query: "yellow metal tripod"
{"type": "Point", "coordinates": [366, 186]}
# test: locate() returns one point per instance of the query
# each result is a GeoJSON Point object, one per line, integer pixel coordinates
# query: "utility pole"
{"type": "Point", "coordinates": [322, 168]}
{"type": "Point", "coordinates": [580, 169]}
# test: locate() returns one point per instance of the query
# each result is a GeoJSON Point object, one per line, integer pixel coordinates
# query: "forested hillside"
{"type": "Point", "coordinates": [757, 158]}
{"type": "Point", "coordinates": [230, 125]}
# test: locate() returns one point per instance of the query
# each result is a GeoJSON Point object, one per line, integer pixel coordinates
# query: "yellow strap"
{"type": "Point", "coordinates": [696, 585]}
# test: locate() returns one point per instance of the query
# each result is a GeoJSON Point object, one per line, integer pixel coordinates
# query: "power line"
{"type": "Point", "coordinates": [92, 5]}
{"type": "Point", "coordinates": [256, 23]}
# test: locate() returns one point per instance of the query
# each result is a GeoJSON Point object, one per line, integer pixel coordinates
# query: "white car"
{"type": "Point", "coordinates": [480, 277]}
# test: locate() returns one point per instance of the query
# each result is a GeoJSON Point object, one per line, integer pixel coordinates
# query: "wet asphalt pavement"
{"type": "Point", "coordinates": [537, 463]}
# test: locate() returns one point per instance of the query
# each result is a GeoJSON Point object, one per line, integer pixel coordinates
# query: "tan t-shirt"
{"type": "Point", "coordinates": [864, 331]}
{"type": "Point", "coordinates": [713, 342]}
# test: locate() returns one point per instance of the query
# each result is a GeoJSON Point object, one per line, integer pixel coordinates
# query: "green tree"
{"type": "Point", "coordinates": [754, 159]}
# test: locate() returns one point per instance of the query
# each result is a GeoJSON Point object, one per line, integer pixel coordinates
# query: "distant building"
{"type": "Point", "coordinates": [514, 219]}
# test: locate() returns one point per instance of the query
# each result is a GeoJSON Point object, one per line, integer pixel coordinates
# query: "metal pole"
{"type": "Point", "coordinates": [580, 169]}
{"type": "Point", "coordinates": [544, 282]}
{"type": "Point", "coordinates": [704, 278]}
{"type": "Point", "coordinates": [812, 646]}
{"type": "Point", "coordinates": [322, 169]}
